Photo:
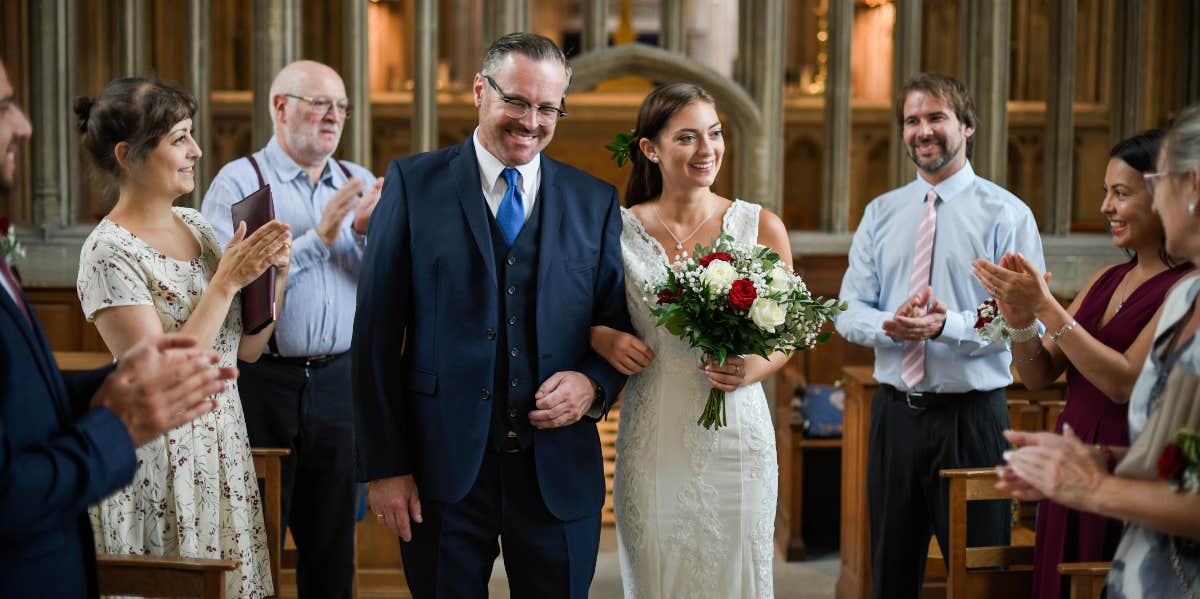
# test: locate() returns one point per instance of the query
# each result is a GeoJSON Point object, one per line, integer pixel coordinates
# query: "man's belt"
{"type": "Point", "coordinates": [919, 401]}
{"type": "Point", "coordinates": [318, 361]}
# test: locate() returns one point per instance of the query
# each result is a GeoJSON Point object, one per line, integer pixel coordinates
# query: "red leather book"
{"type": "Point", "coordinates": [258, 298]}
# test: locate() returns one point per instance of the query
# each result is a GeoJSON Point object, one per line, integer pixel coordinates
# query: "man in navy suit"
{"type": "Point", "coordinates": [476, 390]}
{"type": "Point", "coordinates": [68, 440]}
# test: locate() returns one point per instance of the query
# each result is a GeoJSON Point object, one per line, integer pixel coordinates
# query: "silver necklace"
{"type": "Point", "coordinates": [679, 242]}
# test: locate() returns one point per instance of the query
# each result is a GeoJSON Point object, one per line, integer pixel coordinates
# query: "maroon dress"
{"type": "Point", "coordinates": [1065, 535]}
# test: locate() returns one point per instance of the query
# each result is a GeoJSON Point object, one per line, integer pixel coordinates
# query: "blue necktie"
{"type": "Point", "coordinates": [511, 215]}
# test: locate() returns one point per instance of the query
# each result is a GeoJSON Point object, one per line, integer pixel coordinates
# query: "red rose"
{"type": "Point", "coordinates": [742, 294]}
{"type": "Point", "coordinates": [1171, 462]}
{"type": "Point", "coordinates": [4, 225]}
{"type": "Point", "coordinates": [981, 321]}
{"type": "Point", "coordinates": [705, 261]}
{"type": "Point", "coordinates": [667, 296]}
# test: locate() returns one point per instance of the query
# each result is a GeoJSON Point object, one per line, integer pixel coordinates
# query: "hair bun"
{"type": "Point", "coordinates": [83, 110]}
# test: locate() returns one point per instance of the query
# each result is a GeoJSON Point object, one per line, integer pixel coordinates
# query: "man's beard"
{"type": "Point", "coordinates": [938, 163]}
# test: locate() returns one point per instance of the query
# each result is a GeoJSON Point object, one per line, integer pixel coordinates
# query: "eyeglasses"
{"type": "Point", "coordinates": [321, 104]}
{"type": "Point", "coordinates": [516, 108]}
{"type": "Point", "coordinates": [1151, 180]}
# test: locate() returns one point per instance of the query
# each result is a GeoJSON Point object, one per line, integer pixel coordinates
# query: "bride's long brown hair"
{"type": "Point", "coordinates": [645, 182]}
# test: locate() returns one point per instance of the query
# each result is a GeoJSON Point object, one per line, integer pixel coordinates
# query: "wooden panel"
{"type": "Point", "coordinates": [58, 310]}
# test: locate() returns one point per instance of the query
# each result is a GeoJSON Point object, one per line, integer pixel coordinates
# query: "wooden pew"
{"type": "Point", "coordinates": [1086, 578]}
{"type": "Point", "coordinates": [153, 576]}
{"type": "Point", "coordinates": [854, 579]}
{"type": "Point", "coordinates": [983, 572]}
{"type": "Point", "coordinates": [268, 469]}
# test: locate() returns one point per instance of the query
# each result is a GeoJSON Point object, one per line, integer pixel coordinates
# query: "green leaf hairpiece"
{"type": "Point", "coordinates": [620, 147]}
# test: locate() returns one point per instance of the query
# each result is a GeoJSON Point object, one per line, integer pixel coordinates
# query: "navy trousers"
{"type": "Point", "coordinates": [308, 409]}
{"type": "Point", "coordinates": [453, 550]}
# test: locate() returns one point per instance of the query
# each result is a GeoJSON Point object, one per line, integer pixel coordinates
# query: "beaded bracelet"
{"type": "Point", "coordinates": [1066, 328]}
{"type": "Point", "coordinates": [1022, 334]}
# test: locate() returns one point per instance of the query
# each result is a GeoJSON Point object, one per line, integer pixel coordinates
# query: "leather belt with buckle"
{"type": "Point", "coordinates": [510, 445]}
{"type": "Point", "coordinates": [318, 361]}
{"type": "Point", "coordinates": [918, 401]}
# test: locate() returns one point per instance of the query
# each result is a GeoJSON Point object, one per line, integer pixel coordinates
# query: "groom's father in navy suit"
{"type": "Point", "coordinates": [66, 441]}
{"type": "Point", "coordinates": [476, 391]}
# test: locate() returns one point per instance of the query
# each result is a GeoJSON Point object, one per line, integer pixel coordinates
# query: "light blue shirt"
{"type": "Point", "coordinates": [318, 312]}
{"type": "Point", "coordinates": [975, 219]}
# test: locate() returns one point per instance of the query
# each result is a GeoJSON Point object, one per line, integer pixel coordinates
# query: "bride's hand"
{"type": "Point", "coordinates": [728, 377]}
{"type": "Point", "coordinates": [626, 353]}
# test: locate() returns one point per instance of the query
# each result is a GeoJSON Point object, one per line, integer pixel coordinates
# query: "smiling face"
{"type": "Point", "coordinates": [14, 130]}
{"type": "Point", "coordinates": [1173, 194]}
{"type": "Point", "coordinates": [307, 134]}
{"type": "Point", "coordinates": [170, 167]}
{"type": "Point", "coordinates": [538, 82]}
{"type": "Point", "coordinates": [689, 149]}
{"type": "Point", "coordinates": [1127, 206]}
{"type": "Point", "coordinates": [933, 136]}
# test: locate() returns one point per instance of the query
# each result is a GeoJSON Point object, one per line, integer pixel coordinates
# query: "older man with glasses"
{"type": "Point", "coordinates": [298, 395]}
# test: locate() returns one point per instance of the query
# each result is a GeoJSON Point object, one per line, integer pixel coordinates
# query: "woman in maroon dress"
{"type": "Point", "coordinates": [1101, 341]}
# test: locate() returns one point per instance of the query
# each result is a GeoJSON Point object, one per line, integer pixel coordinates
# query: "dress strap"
{"type": "Point", "coordinates": [741, 221]}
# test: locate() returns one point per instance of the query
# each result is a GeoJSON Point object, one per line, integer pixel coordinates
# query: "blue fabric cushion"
{"type": "Point", "coordinates": [821, 407]}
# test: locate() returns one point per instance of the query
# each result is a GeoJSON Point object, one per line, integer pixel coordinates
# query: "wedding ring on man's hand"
{"type": "Point", "coordinates": [379, 516]}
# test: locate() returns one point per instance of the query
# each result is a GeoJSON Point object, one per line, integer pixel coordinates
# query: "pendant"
{"type": "Point", "coordinates": [678, 246]}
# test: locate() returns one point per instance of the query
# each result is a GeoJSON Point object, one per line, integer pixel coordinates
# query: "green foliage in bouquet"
{"type": "Point", "coordinates": [737, 299]}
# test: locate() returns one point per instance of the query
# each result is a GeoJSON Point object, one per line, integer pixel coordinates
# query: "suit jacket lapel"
{"type": "Point", "coordinates": [38, 348]}
{"type": "Point", "coordinates": [466, 173]}
{"type": "Point", "coordinates": [550, 241]}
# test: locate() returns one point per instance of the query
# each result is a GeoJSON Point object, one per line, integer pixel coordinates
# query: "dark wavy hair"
{"type": "Point", "coordinates": [1140, 151]}
{"type": "Point", "coordinates": [645, 182]}
{"type": "Point", "coordinates": [135, 110]}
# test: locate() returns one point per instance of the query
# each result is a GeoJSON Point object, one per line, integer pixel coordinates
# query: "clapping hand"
{"type": "Point", "coordinates": [246, 258]}
{"type": "Point", "coordinates": [913, 321]}
{"type": "Point", "coordinates": [1019, 287]}
{"type": "Point", "coordinates": [365, 206]}
{"type": "Point", "coordinates": [1046, 465]}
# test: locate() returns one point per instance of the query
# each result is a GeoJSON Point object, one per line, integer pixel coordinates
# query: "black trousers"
{"type": "Point", "coordinates": [906, 498]}
{"type": "Point", "coordinates": [453, 550]}
{"type": "Point", "coordinates": [309, 410]}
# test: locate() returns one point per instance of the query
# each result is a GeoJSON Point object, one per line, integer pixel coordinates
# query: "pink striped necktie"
{"type": "Point", "coordinates": [912, 363]}
{"type": "Point", "coordinates": [15, 290]}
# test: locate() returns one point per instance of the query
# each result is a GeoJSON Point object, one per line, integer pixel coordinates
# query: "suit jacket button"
{"type": "Point", "coordinates": [511, 260]}
{"type": "Point", "coordinates": [484, 394]}
{"type": "Point", "coordinates": [512, 321]}
{"type": "Point", "coordinates": [515, 382]}
{"type": "Point", "coordinates": [491, 334]}
{"type": "Point", "coordinates": [512, 414]}
{"type": "Point", "coordinates": [512, 290]}
{"type": "Point", "coordinates": [513, 352]}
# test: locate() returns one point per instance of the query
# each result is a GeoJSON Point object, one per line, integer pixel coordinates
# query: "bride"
{"type": "Point", "coordinates": [695, 508]}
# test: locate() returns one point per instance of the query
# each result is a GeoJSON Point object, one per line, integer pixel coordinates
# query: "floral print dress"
{"type": "Point", "coordinates": [195, 493]}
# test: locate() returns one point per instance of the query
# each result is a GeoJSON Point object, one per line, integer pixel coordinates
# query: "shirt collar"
{"type": "Point", "coordinates": [287, 169]}
{"type": "Point", "coordinates": [490, 167]}
{"type": "Point", "coordinates": [951, 187]}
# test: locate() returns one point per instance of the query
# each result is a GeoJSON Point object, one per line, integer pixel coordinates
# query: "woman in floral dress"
{"type": "Point", "coordinates": [147, 268]}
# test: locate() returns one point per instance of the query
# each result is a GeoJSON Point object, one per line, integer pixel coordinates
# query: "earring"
{"type": "Point", "coordinates": [1191, 209]}
{"type": "Point", "coordinates": [654, 159]}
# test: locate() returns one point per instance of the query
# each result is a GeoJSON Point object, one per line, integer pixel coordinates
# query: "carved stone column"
{"type": "Point", "coordinates": [133, 38]}
{"type": "Point", "coordinates": [199, 83]}
{"type": "Point", "coordinates": [759, 70]}
{"type": "Point", "coordinates": [276, 43]}
{"type": "Point", "coordinates": [356, 138]}
{"type": "Point", "coordinates": [906, 62]}
{"type": "Point", "coordinates": [595, 25]}
{"type": "Point", "coordinates": [985, 35]}
{"type": "Point", "coordinates": [672, 25]}
{"type": "Point", "coordinates": [835, 192]}
{"type": "Point", "coordinates": [1127, 69]}
{"type": "Point", "coordinates": [1060, 118]}
{"type": "Point", "coordinates": [425, 57]}
{"type": "Point", "coordinates": [52, 51]}
{"type": "Point", "coordinates": [504, 16]}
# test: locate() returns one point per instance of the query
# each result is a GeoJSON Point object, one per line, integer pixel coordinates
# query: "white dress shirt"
{"type": "Point", "coordinates": [493, 184]}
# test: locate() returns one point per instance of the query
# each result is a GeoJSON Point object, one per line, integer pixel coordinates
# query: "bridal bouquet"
{"type": "Point", "coordinates": [10, 248]}
{"type": "Point", "coordinates": [737, 299]}
{"type": "Point", "coordinates": [989, 322]}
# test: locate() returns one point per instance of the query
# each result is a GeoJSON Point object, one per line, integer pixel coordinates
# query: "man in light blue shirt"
{"type": "Point", "coordinates": [912, 298]}
{"type": "Point", "coordinates": [298, 395]}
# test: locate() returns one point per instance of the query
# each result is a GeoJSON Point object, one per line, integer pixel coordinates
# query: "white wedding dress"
{"type": "Point", "coordinates": [695, 508]}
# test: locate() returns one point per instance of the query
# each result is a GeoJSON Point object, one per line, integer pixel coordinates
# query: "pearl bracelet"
{"type": "Point", "coordinates": [1022, 334]}
{"type": "Point", "coordinates": [1066, 328]}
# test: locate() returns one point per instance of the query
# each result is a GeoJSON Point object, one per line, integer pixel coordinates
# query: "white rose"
{"type": "Point", "coordinates": [719, 274]}
{"type": "Point", "coordinates": [767, 314]}
{"type": "Point", "coordinates": [780, 280]}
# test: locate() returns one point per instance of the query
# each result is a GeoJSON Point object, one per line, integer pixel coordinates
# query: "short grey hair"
{"type": "Point", "coordinates": [532, 45]}
{"type": "Point", "coordinates": [1181, 147]}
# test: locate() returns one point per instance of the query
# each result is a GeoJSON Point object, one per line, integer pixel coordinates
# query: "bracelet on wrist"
{"type": "Point", "coordinates": [1066, 328]}
{"type": "Point", "coordinates": [1022, 334]}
